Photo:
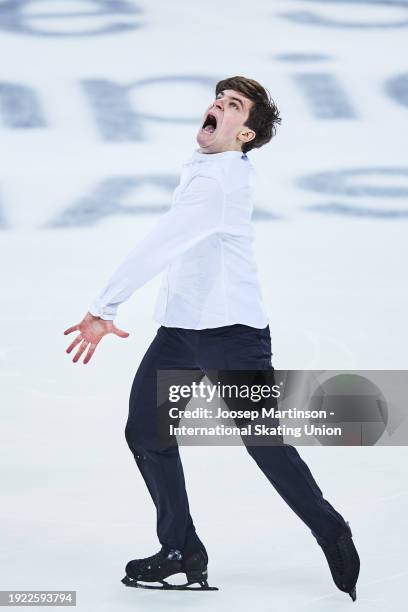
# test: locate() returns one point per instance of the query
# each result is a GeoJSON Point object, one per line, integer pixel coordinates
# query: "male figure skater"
{"type": "Point", "coordinates": [211, 317]}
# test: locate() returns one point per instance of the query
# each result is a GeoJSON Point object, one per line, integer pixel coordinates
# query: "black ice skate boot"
{"type": "Point", "coordinates": [165, 563]}
{"type": "Point", "coordinates": [344, 562]}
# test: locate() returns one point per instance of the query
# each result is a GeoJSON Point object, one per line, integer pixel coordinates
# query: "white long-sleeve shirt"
{"type": "Point", "coordinates": [204, 244]}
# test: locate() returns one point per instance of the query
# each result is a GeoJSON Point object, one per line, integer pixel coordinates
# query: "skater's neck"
{"type": "Point", "coordinates": [219, 154]}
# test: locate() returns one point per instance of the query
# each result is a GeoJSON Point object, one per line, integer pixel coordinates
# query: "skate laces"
{"type": "Point", "coordinates": [339, 560]}
{"type": "Point", "coordinates": [339, 552]}
{"type": "Point", "coordinates": [147, 562]}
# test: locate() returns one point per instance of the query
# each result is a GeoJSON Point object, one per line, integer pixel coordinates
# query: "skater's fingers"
{"type": "Point", "coordinates": [90, 352]}
{"type": "Point", "coordinates": [80, 350]}
{"type": "Point", "coordinates": [71, 329]}
{"type": "Point", "coordinates": [73, 344]}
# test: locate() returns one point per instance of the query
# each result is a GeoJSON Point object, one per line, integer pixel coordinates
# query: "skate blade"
{"type": "Point", "coordinates": [166, 586]}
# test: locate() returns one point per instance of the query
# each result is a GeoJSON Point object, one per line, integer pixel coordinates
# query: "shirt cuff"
{"type": "Point", "coordinates": [107, 314]}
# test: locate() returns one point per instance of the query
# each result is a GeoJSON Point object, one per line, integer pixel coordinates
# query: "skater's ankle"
{"type": "Point", "coordinates": [331, 537]}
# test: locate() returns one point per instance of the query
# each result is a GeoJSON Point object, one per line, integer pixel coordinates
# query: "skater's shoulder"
{"type": "Point", "coordinates": [238, 173]}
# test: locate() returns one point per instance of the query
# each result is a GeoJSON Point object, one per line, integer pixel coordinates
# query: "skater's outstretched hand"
{"type": "Point", "coordinates": [91, 331]}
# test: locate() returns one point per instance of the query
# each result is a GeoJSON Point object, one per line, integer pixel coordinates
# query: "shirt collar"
{"type": "Point", "coordinates": [198, 156]}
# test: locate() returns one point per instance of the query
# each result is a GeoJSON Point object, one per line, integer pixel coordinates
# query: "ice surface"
{"type": "Point", "coordinates": [331, 253]}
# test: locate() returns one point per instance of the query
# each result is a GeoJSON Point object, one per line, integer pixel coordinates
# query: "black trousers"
{"type": "Point", "coordinates": [232, 347]}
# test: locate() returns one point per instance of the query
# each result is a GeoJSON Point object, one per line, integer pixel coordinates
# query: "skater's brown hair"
{"type": "Point", "coordinates": [264, 114]}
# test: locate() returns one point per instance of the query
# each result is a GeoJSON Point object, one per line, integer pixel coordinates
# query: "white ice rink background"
{"type": "Point", "coordinates": [100, 103]}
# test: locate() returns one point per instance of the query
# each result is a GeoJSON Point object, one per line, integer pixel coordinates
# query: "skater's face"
{"type": "Point", "coordinates": [223, 124]}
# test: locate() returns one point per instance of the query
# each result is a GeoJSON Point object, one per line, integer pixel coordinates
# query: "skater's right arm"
{"type": "Point", "coordinates": [197, 213]}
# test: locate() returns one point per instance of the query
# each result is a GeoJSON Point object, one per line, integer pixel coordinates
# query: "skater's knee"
{"type": "Point", "coordinates": [140, 438]}
{"type": "Point", "coordinates": [134, 436]}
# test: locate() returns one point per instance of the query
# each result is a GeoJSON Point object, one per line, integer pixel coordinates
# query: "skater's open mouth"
{"type": "Point", "coordinates": [210, 124]}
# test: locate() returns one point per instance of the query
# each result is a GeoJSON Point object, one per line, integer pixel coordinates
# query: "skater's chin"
{"type": "Point", "coordinates": [205, 140]}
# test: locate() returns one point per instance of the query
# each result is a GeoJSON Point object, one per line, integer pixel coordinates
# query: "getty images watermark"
{"type": "Point", "coordinates": [275, 407]}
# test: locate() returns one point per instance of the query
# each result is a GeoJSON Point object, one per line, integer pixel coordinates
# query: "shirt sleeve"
{"type": "Point", "coordinates": [197, 213]}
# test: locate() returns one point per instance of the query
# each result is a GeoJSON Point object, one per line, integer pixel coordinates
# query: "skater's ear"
{"type": "Point", "coordinates": [246, 135]}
